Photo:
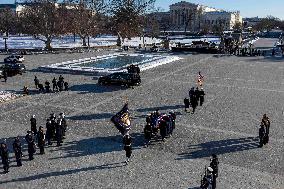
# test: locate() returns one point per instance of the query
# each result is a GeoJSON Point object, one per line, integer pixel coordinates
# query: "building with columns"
{"type": "Point", "coordinates": [192, 17]}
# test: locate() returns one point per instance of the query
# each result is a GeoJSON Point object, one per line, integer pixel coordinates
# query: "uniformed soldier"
{"type": "Point", "coordinates": [186, 104]}
{"type": "Point", "coordinates": [147, 133]}
{"type": "Point", "coordinates": [265, 120]}
{"type": "Point", "coordinates": [17, 147]}
{"type": "Point", "coordinates": [36, 82]}
{"type": "Point", "coordinates": [41, 140]}
{"type": "Point", "coordinates": [47, 86]}
{"type": "Point", "coordinates": [127, 141]}
{"type": "Point", "coordinates": [63, 123]}
{"type": "Point", "coordinates": [54, 84]}
{"type": "Point", "coordinates": [66, 86]}
{"type": "Point", "coordinates": [33, 124]}
{"type": "Point", "coordinates": [194, 103]}
{"type": "Point", "coordinates": [201, 96]}
{"type": "Point", "coordinates": [53, 125]}
{"type": "Point", "coordinates": [163, 129]}
{"type": "Point", "coordinates": [31, 144]}
{"type": "Point", "coordinates": [5, 75]}
{"type": "Point", "coordinates": [58, 128]}
{"type": "Point", "coordinates": [261, 134]}
{"type": "Point", "coordinates": [48, 131]}
{"type": "Point", "coordinates": [206, 182]}
{"type": "Point", "coordinates": [4, 153]}
{"type": "Point", "coordinates": [197, 93]}
{"type": "Point", "coordinates": [214, 165]}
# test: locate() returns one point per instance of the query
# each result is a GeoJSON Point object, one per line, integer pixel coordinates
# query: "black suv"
{"type": "Point", "coordinates": [121, 78]}
{"type": "Point", "coordinates": [13, 69]}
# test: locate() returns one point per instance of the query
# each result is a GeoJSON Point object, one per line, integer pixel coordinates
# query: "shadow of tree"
{"type": "Point", "coordinates": [97, 145]}
{"type": "Point", "coordinates": [66, 172]}
{"type": "Point", "coordinates": [95, 88]}
{"type": "Point", "coordinates": [219, 147]}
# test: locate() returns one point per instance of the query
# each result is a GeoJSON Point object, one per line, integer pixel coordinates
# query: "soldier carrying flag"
{"type": "Point", "coordinates": [121, 120]}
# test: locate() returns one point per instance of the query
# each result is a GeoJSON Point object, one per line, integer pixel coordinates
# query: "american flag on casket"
{"type": "Point", "coordinates": [121, 120]}
{"type": "Point", "coordinates": [163, 117]}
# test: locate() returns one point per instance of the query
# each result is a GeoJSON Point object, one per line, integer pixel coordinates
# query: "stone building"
{"type": "Point", "coordinates": [192, 17]}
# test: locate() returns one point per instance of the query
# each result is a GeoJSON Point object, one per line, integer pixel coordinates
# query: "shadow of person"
{"type": "Point", "coordinates": [219, 147]}
{"type": "Point", "coordinates": [65, 172]}
{"type": "Point", "coordinates": [91, 146]}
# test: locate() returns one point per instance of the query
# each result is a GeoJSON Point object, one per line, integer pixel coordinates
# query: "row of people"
{"type": "Point", "coordinates": [55, 130]}
{"type": "Point", "coordinates": [59, 85]}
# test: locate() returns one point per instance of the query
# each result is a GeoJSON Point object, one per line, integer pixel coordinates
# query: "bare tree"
{"type": "Point", "coordinates": [127, 17]}
{"type": "Point", "coordinates": [43, 20]}
{"type": "Point", "coordinates": [7, 21]}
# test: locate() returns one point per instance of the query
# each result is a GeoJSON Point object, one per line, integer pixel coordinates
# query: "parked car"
{"type": "Point", "coordinates": [13, 69]}
{"type": "Point", "coordinates": [121, 78]}
{"type": "Point", "coordinates": [14, 59]}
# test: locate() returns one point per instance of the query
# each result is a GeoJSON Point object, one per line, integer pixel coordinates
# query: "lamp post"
{"type": "Point", "coordinates": [5, 42]}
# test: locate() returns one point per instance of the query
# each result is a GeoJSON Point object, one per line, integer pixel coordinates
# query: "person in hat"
{"type": "Point", "coordinates": [31, 144]}
{"type": "Point", "coordinates": [127, 141]}
{"type": "Point", "coordinates": [17, 147]}
{"type": "Point", "coordinates": [48, 131]}
{"type": "Point", "coordinates": [206, 182]}
{"type": "Point", "coordinates": [201, 96]}
{"type": "Point", "coordinates": [33, 124]}
{"type": "Point", "coordinates": [4, 153]}
{"type": "Point", "coordinates": [58, 128]}
{"type": "Point", "coordinates": [64, 124]}
{"type": "Point", "coordinates": [214, 165]}
{"type": "Point", "coordinates": [54, 84]}
{"type": "Point", "coordinates": [41, 140]}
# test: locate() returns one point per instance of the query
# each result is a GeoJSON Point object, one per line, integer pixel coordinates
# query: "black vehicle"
{"type": "Point", "coordinates": [121, 78]}
{"type": "Point", "coordinates": [13, 69]}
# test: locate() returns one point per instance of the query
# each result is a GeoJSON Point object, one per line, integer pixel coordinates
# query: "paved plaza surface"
{"type": "Point", "coordinates": [239, 90]}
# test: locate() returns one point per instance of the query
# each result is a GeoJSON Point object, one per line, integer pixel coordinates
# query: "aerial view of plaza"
{"type": "Point", "coordinates": [141, 94]}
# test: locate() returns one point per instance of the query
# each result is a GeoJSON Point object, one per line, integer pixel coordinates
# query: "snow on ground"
{"type": "Point", "coordinates": [7, 96]}
{"type": "Point", "coordinates": [28, 42]}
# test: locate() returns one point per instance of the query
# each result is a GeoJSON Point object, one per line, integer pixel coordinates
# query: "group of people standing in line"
{"type": "Point", "coordinates": [57, 85]}
{"type": "Point", "coordinates": [55, 131]}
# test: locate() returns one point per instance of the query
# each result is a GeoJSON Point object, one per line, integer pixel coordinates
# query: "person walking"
{"type": "Point", "coordinates": [4, 153]}
{"type": "Point", "coordinates": [147, 133]}
{"type": "Point", "coordinates": [214, 165]}
{"type": "Point", "coordinates": [127, 141]}
{"type": "Point", "coordinates": [17, 147]}
{"type": "Point", "coordinates": [48, 131]}
{"type": "Point", "coordinates": [266, 121]}
{"type": "Point", "coordinates": [261, 135]}
{"type": "Point", "coordinates": [54, 84]}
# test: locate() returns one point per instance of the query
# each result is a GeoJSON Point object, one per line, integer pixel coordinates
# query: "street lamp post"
{"type": "Point", "coordinates": [5, 42]}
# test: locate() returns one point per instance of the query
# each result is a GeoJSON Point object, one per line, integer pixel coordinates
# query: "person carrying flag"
{"type": "Point", "coordinates": [127, 141]}
{"type": "Point", "coordinates": [200, 79]}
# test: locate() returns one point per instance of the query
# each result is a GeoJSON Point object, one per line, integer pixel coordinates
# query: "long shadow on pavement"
{"type": "Point", "coordinates": [97, 145]}
{"type": "Point", "coordinates": [92, 116]}
{"type": "Point", "coordinates": [161, 108]}
{"type": "Point", "coordinates": [95, 88]}
{"type": "Point", "coordinates": [219, 147]}
{"type": "Point", "coordinates": [67, 172]}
